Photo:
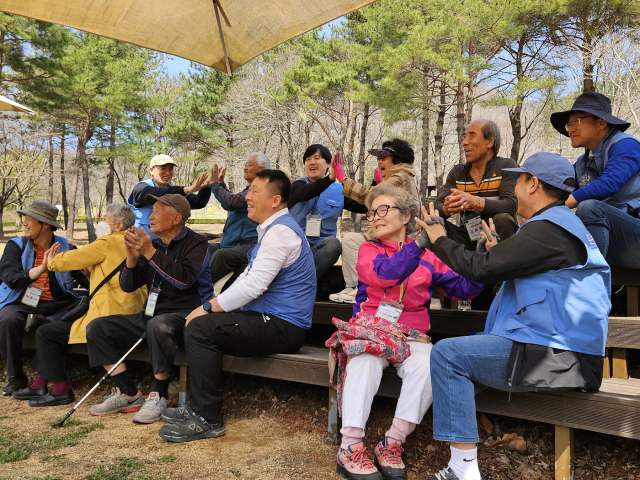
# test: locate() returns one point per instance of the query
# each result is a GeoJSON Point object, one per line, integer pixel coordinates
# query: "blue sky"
{"type": "Point", "coordinates": [176, 65]}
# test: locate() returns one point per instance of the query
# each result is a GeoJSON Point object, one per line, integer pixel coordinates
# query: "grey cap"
{"type": "Point", "coordinates": [549, 168]}
{"type": "Point", "coordinates": [44, 212]}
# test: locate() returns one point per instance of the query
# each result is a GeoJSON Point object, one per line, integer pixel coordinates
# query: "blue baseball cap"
{"type": "Point", "coordinates": [549, 168]}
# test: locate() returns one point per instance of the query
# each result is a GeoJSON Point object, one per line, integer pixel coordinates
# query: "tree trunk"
{"type": "Point", "coordinates": [63, 183]}
{"type": "Point", "coordinates": [363, 143]}
{"type": "Point", "coordinates": [72, 202]}
{"type": "Point", "coordinates": [51, 168]}
{"type": "Point", "coordinates": [111, 161]}
{"type": "Point", "coordinates": [460, 127]}
{"type": "Point", "coordinates": [439, 137]}
{"type": "Point", "coordinates": [84, 164]}
{"type": "Point", "coordinates": [470, 87]}
{"type": "Point", "coordinates": [515, 116]}
{"type": "Point", "coordinates": [424, 167]}
{"type": "Point", "coordinates": [587, 62]}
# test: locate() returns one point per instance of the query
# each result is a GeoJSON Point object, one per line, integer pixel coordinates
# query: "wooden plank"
{"type": "Point", "coordinates": [310, 373]}
{"type": "Point", "coordinates": [632, 302]}
{"type": "Point", "coordinates": [619, 357]}
{"type": "Point", "coordinates": [606, 367]}
{"type": "Point", "coordinates": [564, 453]}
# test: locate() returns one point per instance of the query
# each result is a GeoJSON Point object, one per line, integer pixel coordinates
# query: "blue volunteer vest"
{"type": "Point", "coordinates": [292, 293]}
{"type": "Point", "coordinates": [567, 308]}
{"type": "Point", "coordinates": [629, 194]}
{"type": "Point", "coordinates": [329, 205]}
{"type": "Point", "coordinates": [142, 214]}
{"type": "Point", "coordinates": [9, 295]}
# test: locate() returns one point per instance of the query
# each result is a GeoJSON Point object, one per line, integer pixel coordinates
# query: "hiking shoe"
{"type": "Point", "coordinates": [152, 409]}
{"type": "Point", "coordinates": [388, 459]}
{"type": "Point", "coordinates": [16, 383]}
{"type": "Point", "coordinates": [445, 474]}
{"type": "Point", "coordinates": [356, 465]}
{"type": "Point", "coordinates": [348, 295]}
{"type": "Point", "coordinates": [34, 321]}
{"type": "Point", "coordinates": [117, 402]}
{"type": "Point", "coordinates": [195, 428]}
{"type": "Point", "coordinates": [179, 415]}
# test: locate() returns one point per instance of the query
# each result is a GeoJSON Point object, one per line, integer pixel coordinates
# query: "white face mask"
{"type": "Point", "coordinates": [103, 229]}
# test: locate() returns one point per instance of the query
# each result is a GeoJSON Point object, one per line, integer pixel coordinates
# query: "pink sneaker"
{"type": "Point", "coordinates": [388, 459]}
{"type": "Point", "coordinates": [356, 464]}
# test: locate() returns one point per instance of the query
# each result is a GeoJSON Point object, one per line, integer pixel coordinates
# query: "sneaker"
{"type": "Point", "coordinates": [152, 409]}
{"type": "Point", "coordinates": [356, 465]}
{"type": "Point", "coordinates": [195, 428]}
{"type": "Point", "coordinates": [388, 459]}
{"type": "Point", "coordinates": [348, 295]}
{"type": "Point", "coordinates": [16, 383]}
{"type": "Point", "coordinates": [117, 402]}
{"type": "Point", "coordinates": [445, 474]}
{"type": "Point", "coordinates": [178, 415]}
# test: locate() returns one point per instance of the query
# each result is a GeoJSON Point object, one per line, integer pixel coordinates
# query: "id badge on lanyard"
{"type": "Point", "coordinates": [390, 310]}
{"type": "Point", "coordinates": [314, 225]}
{"type": "Point", "coordinates": [473, 224]}
{"type": "Point", "coordinates": [151, 301]}
{"type": "Point", "coordinates": [31, 296]}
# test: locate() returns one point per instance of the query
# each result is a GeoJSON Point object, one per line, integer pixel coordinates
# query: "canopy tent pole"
{"type": "Point", "coordinates": [224, 46]}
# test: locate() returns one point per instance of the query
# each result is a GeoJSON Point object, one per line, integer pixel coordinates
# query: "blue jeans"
{"type": "Point", "coordinates": [456, 363]}
{"type": "Point", "coordinates": [616, 233]}
{"type": "Point", "coordinates": [325, 254]}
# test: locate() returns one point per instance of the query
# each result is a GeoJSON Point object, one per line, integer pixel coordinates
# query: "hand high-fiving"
{"type": "Point", "coordinates": [433, 223]}
{"type": "Point", "coordinates": [337, 172]}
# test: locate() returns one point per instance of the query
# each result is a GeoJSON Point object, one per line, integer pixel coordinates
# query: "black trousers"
{"type": "Point", "coordinates": [506, 226]}
{"type": "Point", "coordinates": [12, 320]}
{"type": "Point", "coordinates": [226, 260]}
{"type": "Point", "coordinates": [51, 341]}
{"type": "Point", "coordinates": [108, 338]}
{"type": "Point", "coordinates": [242, 334]}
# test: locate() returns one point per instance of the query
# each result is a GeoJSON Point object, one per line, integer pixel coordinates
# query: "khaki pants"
{"type": "Point", "coordinates": [350, 245]}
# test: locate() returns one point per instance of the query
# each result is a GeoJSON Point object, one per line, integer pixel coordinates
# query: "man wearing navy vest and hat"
{"type": "Point", "coordinates": [267, 310]}
{"type": "Point", "coordinates": [28, 287]}
{"type": "Point", "coordinates": [161, 168]}
{"type": "Point", "coordinates": [547, 326]}
{"type": "Point", "coordinates": [607, 176]}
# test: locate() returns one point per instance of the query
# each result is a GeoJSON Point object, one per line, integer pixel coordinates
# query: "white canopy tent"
{"type": "Point", "coordinates": [9, 105]}
{"type": "Point", "coordinates": [221, 34]}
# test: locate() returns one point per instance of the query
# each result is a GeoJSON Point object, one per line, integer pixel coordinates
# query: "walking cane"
{"type": "Point", "coordinates": [59, 423]}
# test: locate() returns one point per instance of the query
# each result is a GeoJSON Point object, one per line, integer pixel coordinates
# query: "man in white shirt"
{"type": "Point", "coordinates": [267, 310]}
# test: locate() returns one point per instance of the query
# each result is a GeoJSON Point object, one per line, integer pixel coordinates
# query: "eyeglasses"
{"type": "Point", "coordinates": [381, 211]}
{"type": "Point", "coordinates": [575, 122]}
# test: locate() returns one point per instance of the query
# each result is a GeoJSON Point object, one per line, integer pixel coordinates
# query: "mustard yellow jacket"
{"type": "Point", "coordinates": [103, 256]}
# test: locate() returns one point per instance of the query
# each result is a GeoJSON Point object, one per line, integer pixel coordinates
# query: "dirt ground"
{"type": "Point", "coordinates": [275, 430]}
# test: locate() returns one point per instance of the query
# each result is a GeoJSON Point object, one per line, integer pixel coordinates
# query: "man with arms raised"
{"type": "Point", "coordinates": [478, 190]}
{"type": "Point", "coordinates": [239, 233]}
{"type": "Point", "coordinates": [547, 326]}
{"type": "Point", "coordinates": [161, 168]}
{"type": "Point", "coordinates": [267, 310]}
{"type": "Point", "coordinates": [175, 270]}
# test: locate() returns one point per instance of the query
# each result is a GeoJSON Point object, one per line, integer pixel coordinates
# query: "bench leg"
{"type": "Point", "coordinates": [564, 453]}
{"type": "Point", "coordinates": [633, 304]}
{"type": "Point", "coordinates": [620, 363]}
{"type": "Point", "coordinates": [184, 385]}
{"type": "Point", "coordinates": [606, 367]}
{"type": "Point", "coordinates": [333, 419]}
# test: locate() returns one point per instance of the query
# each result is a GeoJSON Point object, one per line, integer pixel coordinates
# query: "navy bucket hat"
{"type": "Point", "coordinates": [596, 104]}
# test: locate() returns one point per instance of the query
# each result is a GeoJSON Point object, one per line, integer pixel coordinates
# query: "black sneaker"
{"type": "Point", "coordinates": [178, 415]}
{"type": "Point", "coordinates": [15, 384]}
{"type": "Point", "coordinates": [195, 428]}
{"type": "Point", "coordinates": [34, 321]}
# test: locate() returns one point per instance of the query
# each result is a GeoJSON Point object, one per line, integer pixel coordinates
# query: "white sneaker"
{"type": "Point", "coordinates": [348, 295]}
{"type": "Point", "coordinates": [151, 411]}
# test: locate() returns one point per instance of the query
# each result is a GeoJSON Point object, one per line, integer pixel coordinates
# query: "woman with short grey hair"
{"type": "Point", "coordinates": [121, 214]}
{"type": "Point", "coordinates": [396, 277]}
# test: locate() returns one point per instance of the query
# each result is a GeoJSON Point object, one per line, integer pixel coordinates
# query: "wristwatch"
{"type": "Point", "coordinates": [207, 307]}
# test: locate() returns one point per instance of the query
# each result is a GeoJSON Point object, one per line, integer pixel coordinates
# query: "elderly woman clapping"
{"type": "Point", "coordinates": [396, 278]}
{"type": "Point", "coordinates": [103, 256]}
